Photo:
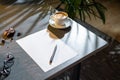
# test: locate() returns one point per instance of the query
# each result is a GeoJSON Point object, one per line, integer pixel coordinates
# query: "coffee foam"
{"type": "Point", "coordinates": [60, 16]}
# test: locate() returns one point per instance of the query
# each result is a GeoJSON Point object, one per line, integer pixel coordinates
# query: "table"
{"type": "Point", "coordinates": [80, 39]}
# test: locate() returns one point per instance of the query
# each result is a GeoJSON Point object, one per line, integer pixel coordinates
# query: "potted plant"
{"type": "Point", "coordinates": [83, 8]}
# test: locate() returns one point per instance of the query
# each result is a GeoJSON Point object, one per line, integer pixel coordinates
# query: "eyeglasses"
{"type": "Point", "coordinates": [6, 68]}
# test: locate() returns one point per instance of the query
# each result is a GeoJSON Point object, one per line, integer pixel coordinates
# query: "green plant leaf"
{"type": "Point", "coordinates": [85, 8]}
{"type": "Point", "coordinates": [100, 11]}
{"type": "Point", "coordinates": [87, 12]}
{"type": "Point", "coordinates": [80, 14]}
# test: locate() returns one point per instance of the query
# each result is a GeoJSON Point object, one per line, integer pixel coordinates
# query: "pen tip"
{"type": "Point", "coordinates": [50, 63]}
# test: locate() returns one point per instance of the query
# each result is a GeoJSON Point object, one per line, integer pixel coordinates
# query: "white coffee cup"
{"type": "Point", "coordinates": [60, 18]}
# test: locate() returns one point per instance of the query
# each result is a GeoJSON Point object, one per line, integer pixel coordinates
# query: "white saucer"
{"type": "Point", "coordinates": [67, 23]}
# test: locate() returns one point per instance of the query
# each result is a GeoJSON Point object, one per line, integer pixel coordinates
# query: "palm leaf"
{"type": "Point", "coordinates": [84, 8]}
{"type": "Point", "coordinates": [100, 9]}
{"type": "Point", "coordinates": [87, 12]}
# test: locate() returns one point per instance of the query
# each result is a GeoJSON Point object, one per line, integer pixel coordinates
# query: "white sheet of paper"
{"type": "Point", "coordinates": [39, 46]}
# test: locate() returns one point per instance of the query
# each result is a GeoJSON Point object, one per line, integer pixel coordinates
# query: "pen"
{"type": "Point", "coordinates": [52, 57]}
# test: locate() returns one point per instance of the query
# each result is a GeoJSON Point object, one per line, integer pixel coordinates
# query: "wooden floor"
{"type": "Point", "coordinates": [103, 66]}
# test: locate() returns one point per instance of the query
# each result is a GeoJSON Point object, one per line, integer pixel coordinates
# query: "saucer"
{"type": "Point", "coordinates": [67, 23]}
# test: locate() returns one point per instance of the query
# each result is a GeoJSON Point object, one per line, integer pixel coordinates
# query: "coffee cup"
{"type": "Point", "coordinates": [60, 19]}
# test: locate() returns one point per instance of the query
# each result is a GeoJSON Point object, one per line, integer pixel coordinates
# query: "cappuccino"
{"type": "Point", "coordinates": [60, 18]}
{"type": "Point", "coordinates": [60, 15]}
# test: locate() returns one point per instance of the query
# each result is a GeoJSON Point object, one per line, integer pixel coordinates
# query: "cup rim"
{"type": "Point", "coordinates": [66, 14]}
